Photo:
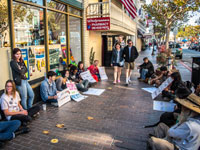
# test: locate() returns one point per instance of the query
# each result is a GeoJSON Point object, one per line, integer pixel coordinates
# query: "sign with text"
{"type": "Point", "coordinates": [87, 76]}
{"type": "Point", "coordinates": [63, 97]}
{"type": "Point", "coordinates": [165, 84]}
{"type": "Point", "coordinates": [72, 88]}
{"type": "Point", "coordinates": [102, 73]}
{"type": "Point", "coordinates": [102, 23]}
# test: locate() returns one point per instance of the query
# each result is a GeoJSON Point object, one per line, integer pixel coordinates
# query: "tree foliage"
{"type": "Point", "coordinates": [188, 31]}
{"type": "Point", "coordinates": [170, 12]}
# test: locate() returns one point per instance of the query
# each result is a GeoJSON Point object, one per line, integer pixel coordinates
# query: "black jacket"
{"type": "Point", "coordinates": [134, 54]}
{"type": "Point", "coordinates": [148, 66]}
{"type": "Point", "coordinates": [114, 56]}
{"type": "Point", "coordinates": [17, 72]}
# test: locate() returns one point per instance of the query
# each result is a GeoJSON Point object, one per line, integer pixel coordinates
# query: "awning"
{"type": "Point", "coordinates": [140, 34]}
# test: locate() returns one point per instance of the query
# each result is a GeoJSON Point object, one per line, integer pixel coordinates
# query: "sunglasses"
{"type": "Point", "coordinates": [129, 43]}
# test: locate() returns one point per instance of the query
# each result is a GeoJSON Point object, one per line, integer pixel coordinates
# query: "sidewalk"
{"type": "Point", "coordinates": [119, 116]}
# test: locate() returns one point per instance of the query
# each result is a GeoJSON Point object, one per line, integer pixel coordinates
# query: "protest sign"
{"type": "Point", "coordinates": [87, 76]}
{"type": "Point", "coordinates": [74, 93]}
{"type": "Point", "coordinates": [150, 89]}
{"type": "Point", "coordinates": [94, 91]}
{"type": "Point", "coordinates": [163, 106]}
{"type": "Point", "coordinates": [165, 84]}
{"type": "Point", "coordinates": [78, 97]}
{"type": "Point", "coordinates": [102, 73]}
{"type": "Point", "coordinates": [72, 88]}
{"type": "Point", "coordinates": [63, 97]}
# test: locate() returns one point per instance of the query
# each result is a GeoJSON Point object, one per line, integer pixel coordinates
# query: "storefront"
{"type": "Point", "coordinates": [49, 34]}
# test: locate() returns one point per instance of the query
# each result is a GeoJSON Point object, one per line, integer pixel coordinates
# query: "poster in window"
{"type": "Point", "coordinates": [110, 43]}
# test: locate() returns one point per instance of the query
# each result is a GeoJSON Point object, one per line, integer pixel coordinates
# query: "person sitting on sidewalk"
{"type": "Point", "coordinates": [80, 70]}
{"type": "Point", "coordinates": [82, 85]}
{"type": "Point", "coordinates": [10, 104]}
{"type": "Point", "coordinates": [48, 89]}
{"type": "Point", "coordinates": [146, 69]}
{"type": "Point", "coordinates": [162, 77]}
{"type": "Point", "coordinates": [197, 90]}
{"type": "Point", "coordinates": [185, 135]}
{"type": "Point", "coordinates": [61, 83]}
{"type": "Point", "coordinates": [94, 70]}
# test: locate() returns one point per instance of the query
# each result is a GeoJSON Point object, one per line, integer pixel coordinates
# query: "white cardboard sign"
{"type": "Point", "coordinates": [163, 106]}
{"type": "Point", "coordinates": [94, 91]}
{"type": "Point", "coordinates": [150, 89]}
{"type": "Point", "coordinates": [78, 97]}
{"type": "Point", "coordinates": [165, 84]}
{"type": "Point", "coordinates": [63, 97]}
{"type": "Point", "coordinates": [102, 73]}
{"type": "Point", "coordinates": [87, 76]}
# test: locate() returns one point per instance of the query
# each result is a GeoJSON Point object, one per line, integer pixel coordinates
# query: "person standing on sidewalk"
{"type": "Point", "coordinates": [19, 71]}
{"type": "Point", "coordinates": [130, 53]}
{"type": "Point", "coordinates": [117, 61]}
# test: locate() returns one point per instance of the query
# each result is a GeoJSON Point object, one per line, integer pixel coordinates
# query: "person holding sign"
{"type": "Point", "coordinates": [48, 89]}
{"type": "Point", "coordinates": [94, 70]}
{"type": "Point", "coordinates": [130, 53]}
{"type": "Point", "coordinates": [19, 71]}
{"type": "Point", "coordinates": [185, 135]}
{"type": "Point", "coordinates": [117, 62]}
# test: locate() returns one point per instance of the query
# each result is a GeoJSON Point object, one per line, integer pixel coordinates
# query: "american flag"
{"type": "Point", "coordinates": [130, 7]}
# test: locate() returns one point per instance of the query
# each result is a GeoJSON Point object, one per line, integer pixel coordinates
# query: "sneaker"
{"type": "Point", "coordinates": [129, 81]}
{"type": "Point", "coordinates": [126, 84]}
{"type": "Point", "coordinates": [23, 130]}
{"type": "Point", "coordinates": [54, 104]}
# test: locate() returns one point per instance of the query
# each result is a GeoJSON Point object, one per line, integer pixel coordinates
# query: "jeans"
{"type": "Point", "coordinates": [51, 101]}
{"type": "Point", "coordinates": [83, 85]}
{"type": "Point", "coordinates": [7, 129]}
{"type": "Point", "coordinates": [24, 90]}
{"type": "Point", "coordinates": [27, 118]}
{"type": "Point", "coordinates": [143, 73]}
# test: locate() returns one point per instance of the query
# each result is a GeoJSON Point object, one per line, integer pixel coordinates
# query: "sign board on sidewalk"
{"type": "Point", "coordinates": [150, 89]}
{"type": "Point", "coordinates": [87, 76]}
{"type": "Point", "coordinates": [74, 93]}
{"type": "Point", "coordinates": [94, 91]}
{"type": "Point", "coordinates": [102, 73]}
{"type": "Point", "coordinates": [63, 97]}
{"type": "Point", "coordinates": [102, 23]}
{"type": "Point", "coordinates": [165, 84]}
{"type": "Point", "coordinates": [163, 106]}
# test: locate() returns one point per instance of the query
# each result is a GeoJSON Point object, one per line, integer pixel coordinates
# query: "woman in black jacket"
{"type": "Point", "coordinates": [19, 71]}
{"type": "Point", "coordinates": [117, 61]}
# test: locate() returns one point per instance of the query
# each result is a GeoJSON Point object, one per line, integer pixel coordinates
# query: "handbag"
{"type": "Point", "coordinates": [121, 63]}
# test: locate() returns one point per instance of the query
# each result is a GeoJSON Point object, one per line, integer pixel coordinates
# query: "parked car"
{"type": "Point", "coordinates": [177, 51]}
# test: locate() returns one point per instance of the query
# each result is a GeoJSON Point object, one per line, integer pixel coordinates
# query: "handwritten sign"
{"type": "Point", "coordinates": [102, 73]}
{"type": "Point", "coordinates": [63, 97]}
{"type": "Point", "coordinates": [72, 88]}
{"type": "Point", "coordinates": [87, 76]}
{"type": "Point", "coordinates": [165, 84]}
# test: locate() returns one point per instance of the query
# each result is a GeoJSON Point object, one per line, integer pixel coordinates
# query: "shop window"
{"type": "Point", "coordinates": [29, 37]}
{"type": "Point", "coordinates": [57, 41]}
{"type": "Point", "coordinates": [75, 39]}
{"type": "Point", "coordinates": [74, 11]}
{"type": "Point", "coordinates": [5, 51]}
{"type": "Point", "coordinates": [56, 5]}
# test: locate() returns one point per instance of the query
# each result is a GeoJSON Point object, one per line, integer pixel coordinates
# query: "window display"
{"type": "Point", "coordinates": [29, 37]}
{"type": "Point", "coordinates": [75, 39]}
{"type": "Point", "coordinates": [57, 41]}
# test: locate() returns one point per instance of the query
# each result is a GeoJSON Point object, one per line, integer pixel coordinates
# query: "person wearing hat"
{"type": "Point", "coordinates": [185, 135]}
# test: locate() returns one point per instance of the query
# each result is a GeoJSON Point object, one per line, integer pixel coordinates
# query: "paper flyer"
{"type": "Point", "coordinates": [94, 91]}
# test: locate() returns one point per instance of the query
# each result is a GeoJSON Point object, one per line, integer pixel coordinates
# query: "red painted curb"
{"type": "Point", "coordinates": [186, 66]}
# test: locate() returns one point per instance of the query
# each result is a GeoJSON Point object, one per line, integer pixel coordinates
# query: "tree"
{"type": "Point", "coordinates": [170, 12]}
{"type": "Point", "coordinates": [188, 31]}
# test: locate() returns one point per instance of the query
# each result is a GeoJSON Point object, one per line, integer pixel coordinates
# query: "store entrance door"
{"type": "Point", "coordinates": [107, 46]}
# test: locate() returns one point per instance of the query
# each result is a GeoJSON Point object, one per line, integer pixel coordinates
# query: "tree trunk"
{"type": "Point", "coordinates": [167, 37]}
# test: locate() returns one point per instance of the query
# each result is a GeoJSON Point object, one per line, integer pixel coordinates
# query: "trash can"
{"type": "Point", "coordinates": [195, 71]}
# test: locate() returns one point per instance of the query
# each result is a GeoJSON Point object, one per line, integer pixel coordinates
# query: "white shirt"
{"type": "Point", "coordinates": [10, 103]}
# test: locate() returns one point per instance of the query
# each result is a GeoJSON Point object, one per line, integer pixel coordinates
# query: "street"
{"type": "Point", "coordinates": [188, 54]}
